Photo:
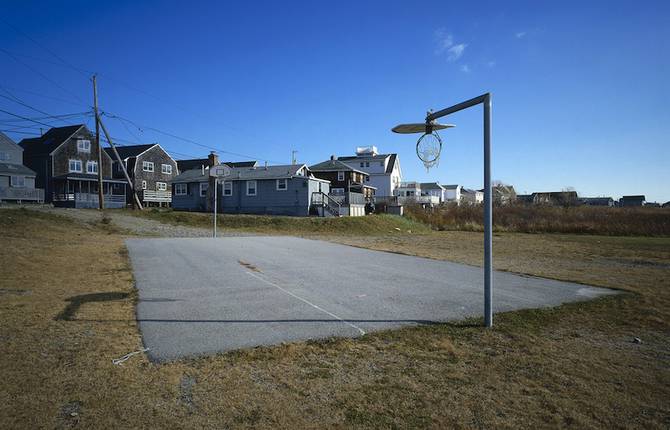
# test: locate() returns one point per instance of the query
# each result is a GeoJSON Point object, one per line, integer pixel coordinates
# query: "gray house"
{"type": "Point", "coordinates": [271, 190]}
{"type": "Point", "coordinates": [65, 160]}
{"type": "Point", "coordinates": [17, 182]}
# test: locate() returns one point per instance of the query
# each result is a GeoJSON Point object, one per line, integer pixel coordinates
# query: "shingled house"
{"type": "Point", "coordinates": [65, 160]}
{"type": "Point", "coordinates": [151, 169]}
{"type": "Point", "coordinates": [17, 182]}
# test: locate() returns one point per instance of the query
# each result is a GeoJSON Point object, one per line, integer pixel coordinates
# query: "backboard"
{"type": "Point", "coordinates": [220, 171]}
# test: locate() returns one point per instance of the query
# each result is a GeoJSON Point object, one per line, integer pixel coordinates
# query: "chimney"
{"type": "Point", "coordinates": [266, 165]}
{"type": "Point", "coordinates": [213, 159]}
{"type": "Point", "coordinates": [333, 157]}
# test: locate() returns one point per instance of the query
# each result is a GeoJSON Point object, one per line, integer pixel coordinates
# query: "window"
{"type": "Point", "coordinates": [144, 185]}
{"type": "Point", "coordinates": [161, 186]}
{"type": "Point", "coordinates": [4, 156]}
{"type": "Point", "coordinates": [340, 176]}
{"type": "Point", "coordinates": [251, 188]}
{"type": "Point", "coordinates": [337, 191]}
{"type": "Point", "coordinates": [147, 166]}
{"type": "Point", "coordinates": [75, 166]}
{"type": "Point", "coordinates": [181, 189]}
{"type": "Point", "coordinates": [84, 145]}
{"type": "Point", "coordinates": [367, 164]}
{"type": "Point", "coordinates": [91, 167]}
{"type": "Point", "coordinates": [18, 181]}
{"type": "Point", "coordinates": [203, 189]}
{"type": "Point", "coordinates": [227, 188]}
{"type": "Point", "coordinates": [282, 184]}
{"type": "Point", "coordinates": [166, 169]}
{"type": "Point", "coordinates": [362, 164]}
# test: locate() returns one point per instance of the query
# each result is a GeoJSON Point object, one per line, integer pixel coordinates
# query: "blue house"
{"type": "Point", "coordinates": [270, 190]}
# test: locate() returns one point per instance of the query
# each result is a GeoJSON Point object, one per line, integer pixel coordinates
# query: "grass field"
{"type": "Point", "coordinates": [625, 221]}
{"type": "Point", "coordinates": [572, 366]}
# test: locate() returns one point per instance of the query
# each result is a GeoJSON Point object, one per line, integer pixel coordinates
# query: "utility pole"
{"type": "Point", "coordinates": [101, 199]}
{"type": "Point", "coordinates": [293, 160]}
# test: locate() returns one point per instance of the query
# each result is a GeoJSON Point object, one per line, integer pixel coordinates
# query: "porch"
{"type": "Point", "coordinates": [22, 194]}
{"type": "Point", "coordinates": [82, 192]}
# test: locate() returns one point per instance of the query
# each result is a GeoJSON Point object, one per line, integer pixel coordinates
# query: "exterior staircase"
{"type": "Point", "coordinates": [325, 205]}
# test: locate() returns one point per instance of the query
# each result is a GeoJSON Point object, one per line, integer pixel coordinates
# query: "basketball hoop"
{"type": "Point", "coordinates": [428, 149]}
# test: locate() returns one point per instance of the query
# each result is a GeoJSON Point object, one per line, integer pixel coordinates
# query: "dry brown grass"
{"type": "Point", "coordinates": [574, 366]}
{"type": "Point", "coordinates": [551, 219]}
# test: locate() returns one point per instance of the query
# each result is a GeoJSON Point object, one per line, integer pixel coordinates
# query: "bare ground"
{"type": "Point", "coordinates": [67, 310]}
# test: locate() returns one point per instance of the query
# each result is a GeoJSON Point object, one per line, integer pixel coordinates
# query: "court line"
{"type": "Point", "coordinates": [362, 332]}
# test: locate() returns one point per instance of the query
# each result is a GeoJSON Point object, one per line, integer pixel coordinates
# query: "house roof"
{"type": "Point", "coordinates": [333, 166]}
{"type": "Point", "coordinates": [192, 175]}
{"type": "Point", "coordinates": [195, 163]}
{"type": "Point", "coordinates": [49, 141]}
{"type": "Point", "coordinates": [15, 169]}
{"type": "Point", "coordinates": [241, 163]}
{"type": "Point", "coordinates": [639, 197]}
{"type": "Point", "coordinates": [244, 173]}
{"type": "Point", "coordinates": [432, 186]}
{"type": "Point", "coordinates": [379, 157]}
{"type": "Point", "coordinates": [6, 141]}
{"type": "Point", "coordinates": [451, 187]}
{"type": "Point", "coordinates": [129, 150]}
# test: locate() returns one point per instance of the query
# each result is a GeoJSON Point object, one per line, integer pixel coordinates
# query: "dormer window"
{"type": "Point", "coordinates": [84, 145]}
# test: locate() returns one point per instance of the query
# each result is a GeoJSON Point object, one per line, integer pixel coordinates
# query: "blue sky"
{"type": "Point", "coordinates": [580, 89]}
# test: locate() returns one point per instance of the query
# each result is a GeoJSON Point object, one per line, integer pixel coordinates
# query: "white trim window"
{"type": "Point", "coordinates": [74, 166]}
{"type": "Point", "coordinates": [337, 191]}
{"type": "Point", "coordinates": [144, 185]}
{"type": "Point", "coordinates": [4, 156]}
{"type": "Point", "coordinates": [166, 169]}
{"type": "Point", "coordinates": [340, 176]}
{"type": "Point", "coordinates": [252, 188]}
{"type": "Point", "coordinates": [161, 186]}
{"type": "Point", "coordinates": [84, 145]}
{"type": "Point", "coordinates": [17, 181]}
{"type": "Point", "coordinates": [204, 186]}
{"type": "Point", "coordinates": [180, 189]}
{"type": "Point", "coordinates": [92, 167]}
{"type": "Point", "coordinates": [282, 184]}
{"type": "Point", "coordinates": [147, 166]}
{"type": "Point", "coordinates": [228, 188]}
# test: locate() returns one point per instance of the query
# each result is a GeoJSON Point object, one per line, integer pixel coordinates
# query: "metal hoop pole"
{"type": "Point", "coordinates": [484, 99]}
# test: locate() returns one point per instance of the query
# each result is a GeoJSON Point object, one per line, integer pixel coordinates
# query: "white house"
{"type": "Point", "coordinates": [434, 189]}
{"type": "Point", "coordinates": [383, 169]}
{"type": "Point", "coordinates": [411, 192]}
{"type": "Point", "coordinates": [471, 197]}
{"type": "Point", "coordinates": [453, 193]}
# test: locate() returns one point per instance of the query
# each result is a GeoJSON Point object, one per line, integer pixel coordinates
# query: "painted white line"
{"type": "Point", "coordinates": [360, 330]}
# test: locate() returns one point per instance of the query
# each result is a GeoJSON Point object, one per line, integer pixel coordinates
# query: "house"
{"type": "Point", "coordinates": [471, 197]}
{"type": "Point", "coordinates": [343, 178]}
{"type": "Point", "coordinates": [65, 160]}
{"type": "Point", "coordinates": [151, 170]}
{"type": "Point", "coordinates": [197, 163]}
{"type": "Point", "coordinates": [383, 170]}
{"type": "Point", "coordinates": [552, 198]}
{"type": "Point", "coordinates": [411, 193]}
{"type": "Point", "coordinates": [502, 194]}
{"type": "Point", "coordinates": [348, 186]}
{"type": "Point", "coordinates": [272, 190]}
{"type": "Point", "coordinates": [17, 182]}
{"type": "Point", "coordinates": [453, 193]}
{"type": "Point", "coordinates": [597, 201]}
{"type": "Point", "coordinates": [434, 189]}
{"type": "Point", "coordinates": [632, 200]}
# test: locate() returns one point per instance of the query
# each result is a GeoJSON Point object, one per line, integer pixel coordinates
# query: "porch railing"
{"type": "Point", "coordinates": [87, 197]}
{"type": "Point", "coordinates": [156, 196]}
{"type": "Point", "coordinates": [13, 193]}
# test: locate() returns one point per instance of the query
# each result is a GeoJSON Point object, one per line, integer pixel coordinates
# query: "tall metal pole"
{"type": "Point", "coordinates": [484, 99]}
{"type": "Point", "coordinates": [216, 181]}
{"type": "Point", "coordinates": [488, 217]}
{"type": "Point", "coordinates": [101, 199]}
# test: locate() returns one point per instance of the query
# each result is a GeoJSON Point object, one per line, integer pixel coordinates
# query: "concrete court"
{"type": "Point", "coordinates": [201, 295]}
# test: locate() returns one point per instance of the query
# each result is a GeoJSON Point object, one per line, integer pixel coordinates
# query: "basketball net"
{"type": "Point", "coordinates": [428, 149]}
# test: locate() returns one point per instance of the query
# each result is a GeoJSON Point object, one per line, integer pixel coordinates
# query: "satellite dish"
{"type": "Point", "coordinates": [419, 127]}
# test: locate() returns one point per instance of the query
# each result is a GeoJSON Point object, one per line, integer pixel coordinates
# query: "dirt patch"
{"type": "Point", "coordinates": [249, 266]}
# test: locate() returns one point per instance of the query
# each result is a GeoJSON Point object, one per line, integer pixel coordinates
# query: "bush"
{"type": "Point", "coordinates": [550, 219]}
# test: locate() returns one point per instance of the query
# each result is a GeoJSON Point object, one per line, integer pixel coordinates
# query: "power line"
{"type": "Point", "coordinates": [22, 103]}
{"type": "Point", "coordinates": [41, 74]}
{"type": "Point", "coordinates": [25, 118]}
{"type": "Point", "coordinates": [141, 127]}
